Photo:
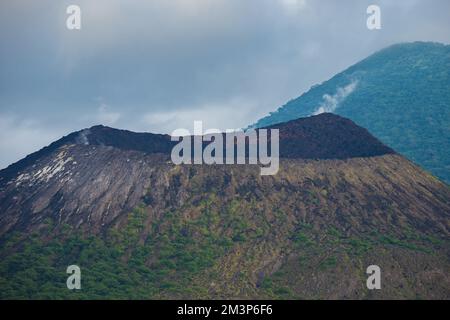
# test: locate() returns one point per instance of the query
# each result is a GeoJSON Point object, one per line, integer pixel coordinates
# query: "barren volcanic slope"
{"type": "Point", "coordinates": [111, 202]}
{"type": "Point", "coordinates": [401, 94]}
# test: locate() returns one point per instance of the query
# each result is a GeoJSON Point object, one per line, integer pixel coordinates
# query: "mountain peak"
{"type": "Point", "coordinates": [324, 136]}
{"type": "Point", "coordinates": [400, 94]}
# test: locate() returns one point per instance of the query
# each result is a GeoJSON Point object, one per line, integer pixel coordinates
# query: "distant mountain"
{"type": "Point", "coordinates": [111, 202]}
{"type": "Point", "coordinates": [400, 94]}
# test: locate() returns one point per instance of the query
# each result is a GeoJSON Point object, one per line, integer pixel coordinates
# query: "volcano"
{"type": "Point", "coordinates": [111, 202]}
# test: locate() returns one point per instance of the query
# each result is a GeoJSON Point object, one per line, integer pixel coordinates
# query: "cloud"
{"type": "Point", "coordinates": [20, 137]}
{"type": "Point", "coordinates": [234, 115]}
{"type": "Point", "coordinates": [107, 117]}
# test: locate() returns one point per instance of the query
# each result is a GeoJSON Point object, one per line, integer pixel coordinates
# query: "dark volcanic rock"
{"type": "Point", "coordinates": [326, 136]}
{"type": "Point", "coordinates": [340, 201]}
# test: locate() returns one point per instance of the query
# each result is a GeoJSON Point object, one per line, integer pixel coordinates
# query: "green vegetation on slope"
{"type": "Point", "coordinates": [181, 257]}
{"type": "Point", "coordinates": [402, 96]}
{"type": "Point", "coordinates": [226, 232]}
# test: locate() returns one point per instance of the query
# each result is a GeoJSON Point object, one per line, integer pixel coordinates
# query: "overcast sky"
{"type": "Point", "coordinates": [158, 65]}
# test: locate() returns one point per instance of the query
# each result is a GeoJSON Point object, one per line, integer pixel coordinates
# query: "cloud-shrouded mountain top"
{"type": "Point", "coordinates": [160, 65]}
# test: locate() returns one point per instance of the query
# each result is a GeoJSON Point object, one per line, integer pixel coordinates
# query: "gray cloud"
{"type": "Point", "coordinates": [157, 65]}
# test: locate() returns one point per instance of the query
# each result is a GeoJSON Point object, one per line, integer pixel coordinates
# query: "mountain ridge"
{"type": "Point", "coordinates": [401, 94]}
{"type": "Point", "coordinates": [316, 133]}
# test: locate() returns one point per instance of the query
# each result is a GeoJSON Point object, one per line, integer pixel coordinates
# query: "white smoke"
{"type": "Point", "coordinates": [331, 102]}
{"type": "Point", "coordinates": [83, 137]}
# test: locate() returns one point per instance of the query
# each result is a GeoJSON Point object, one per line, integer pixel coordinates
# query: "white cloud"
{"type": "Point", "coordinates": [107, 117]}
{"type": "Point", "coordinates": [293, 6]}
{"type": "Point", "coordinates": [234, 115]}
{"type": "Point", "coordinates": [20, 137]}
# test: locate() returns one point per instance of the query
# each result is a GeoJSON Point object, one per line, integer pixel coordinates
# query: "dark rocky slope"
{"type": "Point", "coordinates": [141, 227]}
